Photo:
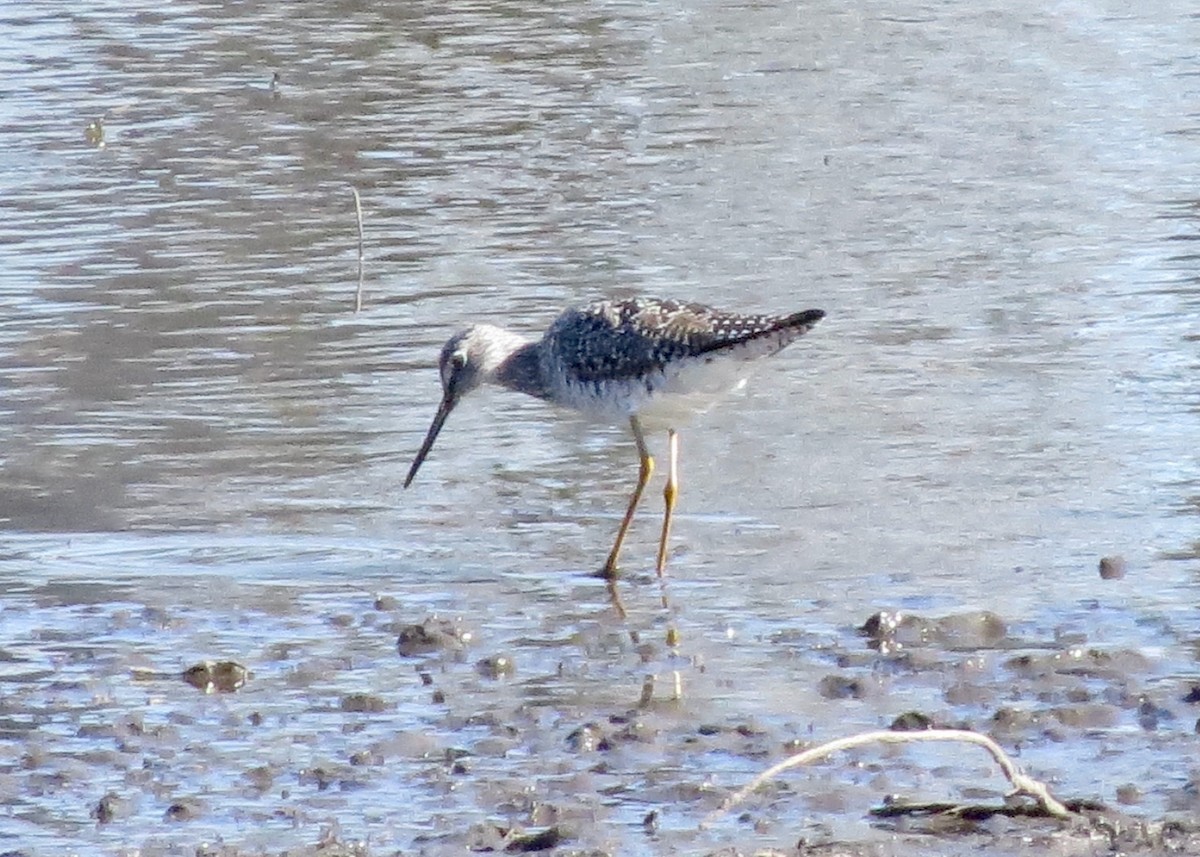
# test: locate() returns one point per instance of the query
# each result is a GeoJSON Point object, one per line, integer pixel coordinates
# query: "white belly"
{"type": "Point", "coordinates": [667, 397]}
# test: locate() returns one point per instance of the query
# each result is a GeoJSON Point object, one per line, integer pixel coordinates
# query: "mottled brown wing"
{"type": "Point", "coordinates": [617, 340]}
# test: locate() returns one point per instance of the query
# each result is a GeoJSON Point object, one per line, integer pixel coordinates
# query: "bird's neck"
{"type": "Point", "coordinates": [521, 371]}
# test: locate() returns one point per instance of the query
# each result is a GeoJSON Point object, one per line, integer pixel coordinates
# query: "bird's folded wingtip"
{"type": "Point", "coordinates": [808, 316]}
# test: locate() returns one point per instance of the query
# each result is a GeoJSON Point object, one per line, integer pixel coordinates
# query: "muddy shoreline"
{"type": "Point", "coordinates": [329, 720]}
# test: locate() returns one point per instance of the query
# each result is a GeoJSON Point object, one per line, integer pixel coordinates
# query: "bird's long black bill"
{"type": "Point", "coordinates": [439, 419]}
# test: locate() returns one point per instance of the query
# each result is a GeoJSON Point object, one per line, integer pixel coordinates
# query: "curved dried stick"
{"type": "Point", "coordinates": [1021, 783]}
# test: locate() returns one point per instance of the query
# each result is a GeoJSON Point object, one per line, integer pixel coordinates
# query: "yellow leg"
{"type": "Point", "coordinates": [646, 699]}
{"type": "Point", "coordinates": [645, 471]}
{"type": "Point", "coordinates": [670, 492]}
{"type": "Point", "coordinates": [615, 598]}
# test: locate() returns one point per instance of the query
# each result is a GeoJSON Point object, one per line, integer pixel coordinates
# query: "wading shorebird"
{"type": "Point", "coordinates": [633, 359]}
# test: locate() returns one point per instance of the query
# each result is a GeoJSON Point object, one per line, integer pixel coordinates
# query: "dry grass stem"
{"type": "Point", "coordinates": [358, 213]}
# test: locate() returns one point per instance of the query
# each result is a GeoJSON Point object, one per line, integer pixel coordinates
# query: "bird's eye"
{"type": "Point", "coordinates": [458, 360]}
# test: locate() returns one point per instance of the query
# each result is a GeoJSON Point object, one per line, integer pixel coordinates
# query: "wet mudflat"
{"type": "Point", "coordinates": [201, 714]}
{"type": "Point", "coordinates": [968, 498]}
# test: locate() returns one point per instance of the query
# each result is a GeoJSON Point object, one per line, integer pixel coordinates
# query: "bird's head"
{"type": "Point", "coordinates": [469, 358]}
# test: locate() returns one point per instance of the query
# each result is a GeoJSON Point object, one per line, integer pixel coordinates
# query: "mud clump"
{"type": "Point", "coordinates": [433, 636]}
{"type": "Point", "coordinates": [513, 840]}
{"type": "Point", "coordinates": [216, 676]}
{"type": "Point", "coordinates": [842, 687]}
{"type": "Point", "coordinates": [364, 703]}
{"type": "Point", "coordinates": [112, 807]}
{"type": "Point", "coordinates": [1083, 662]}
{"type": "Point", "coordinates": [890, 631]}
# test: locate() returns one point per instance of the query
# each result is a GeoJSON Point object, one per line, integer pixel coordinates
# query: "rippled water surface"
{"type": "Point", "coordinates": [204, 442]}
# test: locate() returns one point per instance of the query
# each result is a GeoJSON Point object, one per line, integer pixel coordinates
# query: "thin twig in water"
{"type": "Point", "coordinates": [1021, 783]}
{"type": "Point", "coordinates": [358, 212]}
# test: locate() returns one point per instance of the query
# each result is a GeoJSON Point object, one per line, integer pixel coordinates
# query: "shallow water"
{"type": "Point", "coordinates": [204, 442]}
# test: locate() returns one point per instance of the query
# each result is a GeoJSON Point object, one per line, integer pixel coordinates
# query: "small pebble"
{"type": "Point", "coordinates": [1129, 794]}
{"type": "Point", "coordinates": [496, 666]}
{"type": "Point", "coordinates": [260, 778]}
{"type": "Point", "coordinates": [1112, 568]}
{"type": "Point", "coordinates": [588, 738]}
{"type": "Point", "coordinates": [911, 721]}
{"type": "Point", "coordinates": [541, 841]}
{"type": "Point", "coordinates": [111, 807]}
{"type": "Point", "coordinates": [183, 810]}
